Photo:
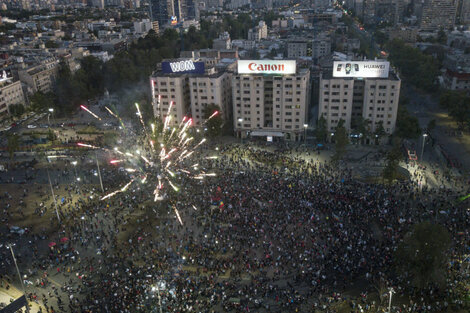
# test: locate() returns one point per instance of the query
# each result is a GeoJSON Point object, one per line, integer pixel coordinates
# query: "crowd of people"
{"type": "Point", "coordinates": [275, 231]}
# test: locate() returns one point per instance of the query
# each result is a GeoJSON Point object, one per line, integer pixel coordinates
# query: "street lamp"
{"type": "Point", "coordinates": [391, 292]}
{"type": "Point", "coordinates": [10, 246]}
{"type": "Point", "coordinates": [422, 148]}
{"type": "Point", "coordinates": [305, 133]}
{"type": "Point", "coordinates": [51, 110]}
{"type": "Point", "coordinates": [240, 120]}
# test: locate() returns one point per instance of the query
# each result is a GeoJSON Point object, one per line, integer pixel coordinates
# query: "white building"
{"type": "Point", "coordinates": [270, 99]}
{"type": "Point", "coordinates": [143, 27]}
{"type": "Point", "coordinates": [189, 86]}
{"type": "Point", "coordinates": [375, 99]}
{"type": "Point", "coordinates": [11, 93]}
{"type": "Point", "coordinates": [258, 32]}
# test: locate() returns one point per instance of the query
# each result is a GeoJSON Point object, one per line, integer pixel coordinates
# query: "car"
{"type": "Point", "coordinates": [44, 126]}
{"type": "Point", "coordinates": [17, 230]}
{"type": "Point", "coordinates": [13, 124]}
{"type": "Point", "coordinates": [32, 126]}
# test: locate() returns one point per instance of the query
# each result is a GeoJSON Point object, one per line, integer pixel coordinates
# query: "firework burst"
{"type": "Point", "coordinates": [158, 159]}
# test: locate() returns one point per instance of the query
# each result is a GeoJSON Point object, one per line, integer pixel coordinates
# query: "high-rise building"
{"type": "Point", "coordinates": [463, 11]}
{"type": "Point", "coordinates": [350, 97]}
{"type": "Point", "coordinates": [11, 93]}
{"type": "Point", "coordinates": [173, 11]}
{"type": "Point", "coordinates": [270, 99]}
{"type": "Point", "coordinates": [438, 14]}
{"type": "Point", "coordinates": [189, 86]}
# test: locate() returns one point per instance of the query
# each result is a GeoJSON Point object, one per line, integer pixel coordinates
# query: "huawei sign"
{"type": "Point", "coordinates": [266, 67]}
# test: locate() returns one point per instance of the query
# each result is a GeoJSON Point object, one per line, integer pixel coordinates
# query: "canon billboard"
{"type": "Point", "coordinates": [361, 69]}
{"type": "Point", "coordinates": [266, 67]}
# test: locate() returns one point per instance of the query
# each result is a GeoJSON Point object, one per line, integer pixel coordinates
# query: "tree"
{"type": "Point", "coordinates": [215, 124]}
{"type": "Point", "coordinates": [321, 131]}
{"type": "Point", "coordinates": [407, 125]}
{"type": "Point", "coordinates": [41, 101]}
{"type": "Point", "coordinates": [458, 106]}
{"type": "Point", "coordinates": [390, 172]}
{"type": "Point", "coordinates": [379, 132]}
{"type": "Point", "coordinates": [431, 126]}
{"type": "Point", "coordinates": [422, 256]}
{"type": "Point", "coordinates": [13, 143]}
{"type": "Point", "coordinates": [341, 140]}
{"type": "Point", "coordinates": [17, 109]}
{"type": "Point", "coordinates": [50, 135]}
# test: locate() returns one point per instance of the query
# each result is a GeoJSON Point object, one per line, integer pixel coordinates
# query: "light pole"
{"type": "Point", "coordinates": [99, 173]}
{"type": "Point", "coordinates": [422, 148]}
{"type": "Point", "coordinates": [305, 133]}
{"type": "Point", "coordinates": [53, 196]}
{"type": "Point", "coordinates": [51, 110]}
{"type": "Point", "coordinates": [76, 175]}
{"type": "Point", "coordinates": [391, 292]}
{"type": "Point", "coordinates": [19, 275]}
{"type": "Point", "coordinates": [240, 120]}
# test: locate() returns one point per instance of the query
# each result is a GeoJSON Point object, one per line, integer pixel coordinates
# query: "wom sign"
{"type": "Point", "coordinates": [266, 67]}
{"type": "Point", "coordinates": [185, 66]}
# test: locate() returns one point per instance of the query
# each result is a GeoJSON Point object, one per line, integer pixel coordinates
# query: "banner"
{"type": "Point", "coordinates": [361, 69]}
{"type": "Point", "coordinates": [266, 67]}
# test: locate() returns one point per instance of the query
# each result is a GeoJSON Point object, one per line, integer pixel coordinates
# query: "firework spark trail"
{"type": "Point", "coordinates": [172, 186]}
{"type": "Point", "coordinates": [87, 145]}
{"type": "Point", "coordinates": [186, 141]}
{"type": "Point", "coordinates": [195, 209]}
{"type": "Point", "coordinates": [172, 132]}
{"type": "Point", "coordinates": [115, 161]}
{"type": "Point", "coordinates": [188, 123]}
{"type": "Point", "coordinates": [168, 117]}
{"type": "Point", "coordinates": [141, 118]}
{"type": "Point", "coordinates": [146, 160]}
{"type": "Point", "coordinates": [111, 112]}
{"type": "Point", "coordinates": [213, 114]}
{"type": "Point", "coordinates": [187, 155]}
{"type": "Point", "coordinates": [178, 215]}
{"type": "Point", "coordinates": [93, 114]}
{"type": "Point", "coordinates": [202, 141]}
{"type": "Point", "coordinates": [119, 190]}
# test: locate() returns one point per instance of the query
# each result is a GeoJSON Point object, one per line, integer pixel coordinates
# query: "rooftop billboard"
{"type": "Point", "coordinates": [361, 69]}
{"type": "Point", "coordinates": [266, 67]}
{"type": "Point", "coordinates": [185, 66]}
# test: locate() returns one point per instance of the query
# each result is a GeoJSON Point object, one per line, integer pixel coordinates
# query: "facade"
{"type": "Point", "coordinates": [321, 47]}
{"type": "Point", "coordinates": [189, 92]}
{"type": "Point", "coordinates": [296, 49]}
{"type": "Point", "coordinates": [223, 42]}
{"type": "Point", "coordinates": [350, 99]}
{"type": "Point", "coordinates": [271, 105]}
{"type": "Point", "coordinates": [210, 89]}
{"type": "Point", "coordinates": [438, 14]}
{"type": "Point", "coordinates": [259, 32]}
{"type": "Point", "coordinates": [11, 93]}
{"type": "Point", "coordinates": [40, 78]}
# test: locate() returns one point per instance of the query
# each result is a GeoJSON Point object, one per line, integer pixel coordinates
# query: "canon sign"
{"type": "Point", "coordinates": [266, 67]}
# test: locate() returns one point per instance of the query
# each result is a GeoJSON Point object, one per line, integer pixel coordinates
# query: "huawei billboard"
{"type": "Point", "coordinates": [266, 67]}
{"type": "Point", "coordinates": [361, 69]}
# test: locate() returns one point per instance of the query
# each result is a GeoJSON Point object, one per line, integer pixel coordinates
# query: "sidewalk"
{"type": "Point", "coordinates": [7, 296]}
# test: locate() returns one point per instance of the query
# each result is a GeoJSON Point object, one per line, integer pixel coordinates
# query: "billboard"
{"type": "Point", "coordinates": [185, 66]}
{"type": "Point", "coordinates": [266, 67]}
{"type": "Point", "coordinates": [361, 69]}
{"type": "Point", "coordinates": [5, 75]}
{"type": "Point", "coordinates": [173, 20]}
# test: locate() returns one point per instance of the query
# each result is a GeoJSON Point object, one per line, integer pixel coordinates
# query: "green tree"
{"type": "Point", "coordinates": [215, 124]}
{"type": "Point", "coordinates": [390, 171]}
{"type": "Point", "coordinates": [41, 101]}
{"type": "Point", "coordinates": [431, 126]}
{"type": "Point", "coordinates": [17, 109]}
{"type": "Point", "coordinates": [379, 132]}
{"type": "Point", "coordinates": [321, 130]}
{"type": "Point", "coordinates": [51, 44]}
{"type": "Point", "coordinates": [422, 256]}
{"type": "Point", "coordinates": [51, 136]}
{"type": "Point", "coordinates": [341, 140]}
{"type": "Point", "coordinates": [407, 125]}
{"type": "Point", "coordinates": [13, 142]}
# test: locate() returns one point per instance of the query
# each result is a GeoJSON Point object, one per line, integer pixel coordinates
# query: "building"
{"type": "Point", "coordinates": [173, 11]}
{"type": "Point", "coordinates": [223, 42]}
{"type": "Point", "coordinates": [40, 78]}
{"type": "Point", "coordinates": [366, 90]}
{"type": "Point", "coordinates": [210, 89]}
{"type": "Point", "coordinates": [270, 99]}
{"type": "Point", "coordinates": [407, 34]}
{"type": "Point", "coordinates": [438, 14]}
{"type": "Point", "coordinates": [258, 32]}
{"type": "Point", "coordinates": [11, 93]}
{"type": "Point", "coordinates": [296, 49]}
{"type": "Point", "coordinates": [457, 74]}
{"type": "Point", "coordinates": [189, 85]}
{"type": "Point", "coordinates": [321, 47]}
{"type": "Point", "coordinates": [143, 27]}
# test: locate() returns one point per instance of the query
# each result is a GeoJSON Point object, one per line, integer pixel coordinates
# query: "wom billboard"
{"type": "Point", "coordinates": [266, 67]}
{"type": "Point", "coordinates": [185, 66]}
{"type": "Point", "coordinates": [361, 69]}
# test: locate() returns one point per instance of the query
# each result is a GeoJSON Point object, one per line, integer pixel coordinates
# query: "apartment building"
{"type": "Point", "coordinates": [296, 49]}
{"type": "Point", "coordinates": [370, 94]}
{"type": "Point", "coordinates": [189, 86]}
{"type": "Point", "coordinates": [210, 89]}
{"type": "Point", "coordinates": [270, 99]}
{"type": "Point", "coordinates": [11, 93]}
{"type": "Point", "coordinates": [438, 14]}
{"type": "Point", "coordinates": [40, 78]}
